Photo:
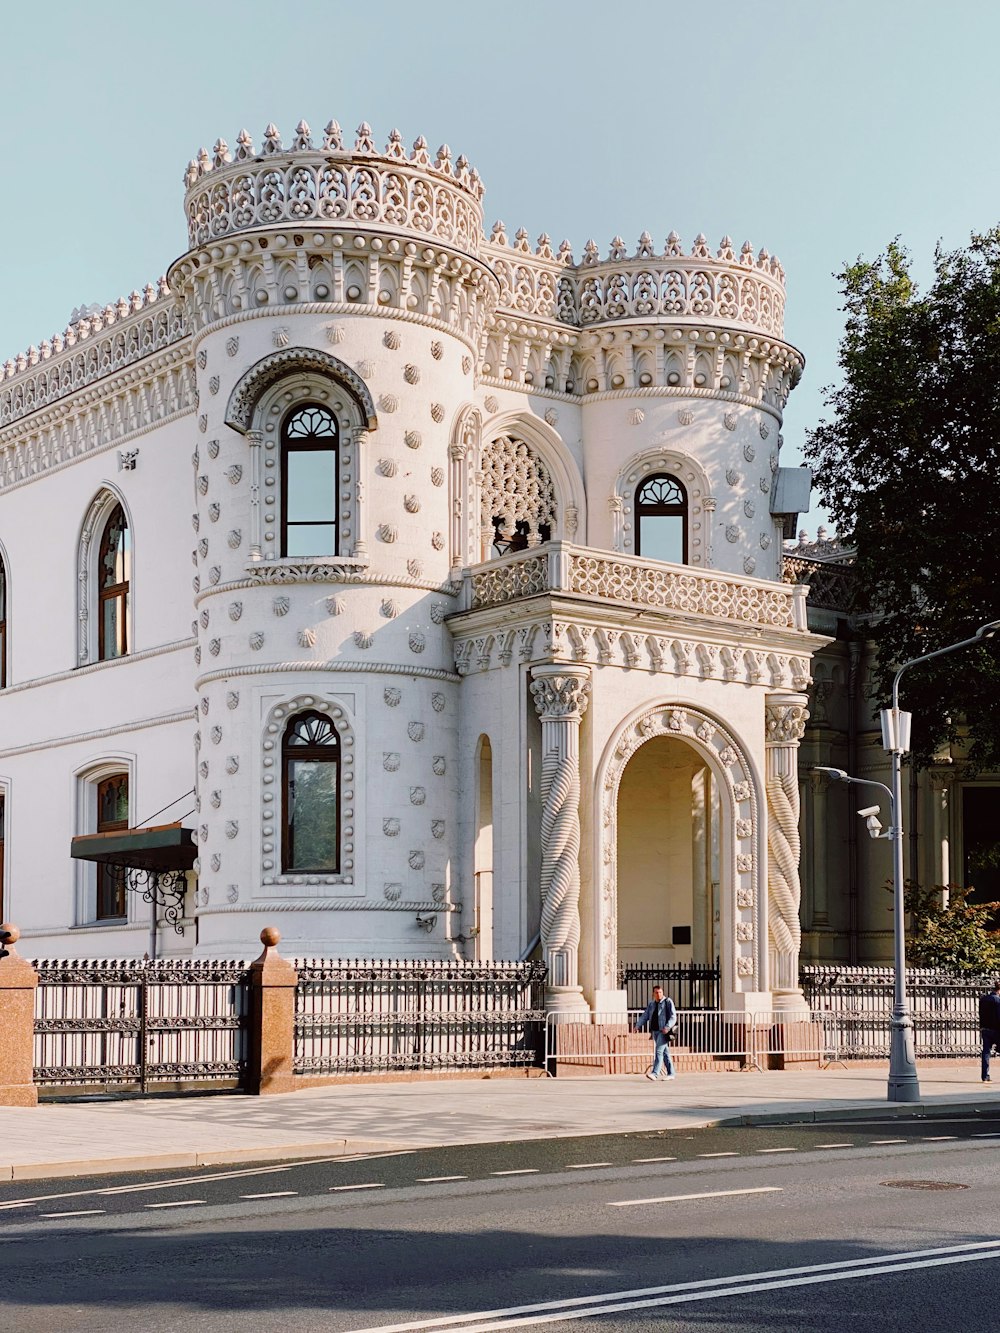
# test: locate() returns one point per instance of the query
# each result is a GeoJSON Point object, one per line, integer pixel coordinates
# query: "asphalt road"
{"type": "Point", "coordinates": [886, 1225]}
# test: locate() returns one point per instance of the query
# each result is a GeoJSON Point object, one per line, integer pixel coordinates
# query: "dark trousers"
{"type": "Point", "coordinates": [991, 1038]}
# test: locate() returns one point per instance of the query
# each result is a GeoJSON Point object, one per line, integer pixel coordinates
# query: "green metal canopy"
{"type": "Point", "coordinates": [164, 847]}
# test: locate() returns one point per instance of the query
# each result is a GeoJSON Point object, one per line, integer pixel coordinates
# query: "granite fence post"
{"type": "Point", "coordinates": [18, 980]}
{"type": "Point", "coordinates": [272, 1019]}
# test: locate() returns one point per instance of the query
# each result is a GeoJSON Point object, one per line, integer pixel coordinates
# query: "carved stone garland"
{"type": "Point", "coordinates": [516, 487]}
{"type": "Point", "coordinates": [786, 716]}
{"type": "Point", "coordinates": [740, 900]}
{"type": "Point", "coordinates": [561, 694]}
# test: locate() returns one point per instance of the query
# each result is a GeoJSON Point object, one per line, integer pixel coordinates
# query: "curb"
{"type": "Point", "coordinates": [186, 1161]}
{"type": "Point", "coordinates": [881, 1110]}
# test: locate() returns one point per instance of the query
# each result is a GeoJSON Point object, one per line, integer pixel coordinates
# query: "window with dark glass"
{"type": "Point", "coordinates": [661, 520]}
{"type": "Point", "coordinates": [3, 626]}
{"type": "Point", "coordinates": [3, 849]}
{"type": "Point", "coordinates": [310, 759]}
{"type": "Point", "coordinates": [112, 814]}
{"type": "Point", "coordinates": [114, 570]}
{"type": "Point", "coordinates": [309, 471]}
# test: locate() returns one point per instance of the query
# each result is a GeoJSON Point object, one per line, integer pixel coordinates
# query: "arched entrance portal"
{"type": "Point", "coordinates": [733, 823]}
{"type": "Point", "coordinates": [668, 856]}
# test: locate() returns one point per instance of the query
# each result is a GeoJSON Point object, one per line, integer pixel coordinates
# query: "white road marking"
{"type": "Point", "coordinates": [584, 1166]}
{"type": "Point", "coordinates": [654, 1159]}
{"type": "Point", "coordinates": [710, 1194]}
{"type": "Point", "coordinates": [881, 1143]}
{"type": "Point", "coordinates": [939, 1138]}
{"type": "Point", "coordinates": [524, 1171]}
{"type": "Point", "coordinates": [433, 1180]}
{"type": "Point", "coordinates": [704, 1289]}
{"type": "Point", "coordinates": [718, 1154]}
{"type": "Point", "coordinates": [834, 1145]}
{"type": "Point", "coordinates": [975, 1136]}
{"type": "Point", "coordinates": [203, 1179]}
{"type": "Point", "coordinates": [275, 1194]}
{"type": "Point", "coordinates": [84, 1212]}
{"type": "Point", "coordinates": [175, 1203]}
{"type": "Point", "coordinates": [777, 1149]}
{"type": "Point", "coordinates": [340, 1189]}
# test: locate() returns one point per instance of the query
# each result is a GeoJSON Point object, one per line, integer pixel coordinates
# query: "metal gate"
{"type": "Point", "coordinates": [142, 1026]}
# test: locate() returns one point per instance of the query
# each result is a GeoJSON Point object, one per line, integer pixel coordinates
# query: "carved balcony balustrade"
{"type": "Point", "coordinates": [624, 580]}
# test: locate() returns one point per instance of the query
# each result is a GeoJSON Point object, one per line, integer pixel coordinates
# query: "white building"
{"type": "Point", "coordinates": [483, 637]}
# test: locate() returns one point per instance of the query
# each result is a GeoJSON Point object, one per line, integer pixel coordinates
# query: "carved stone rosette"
{"type": "Point", "coordinates": [561, 695]}
{"type": "Point", "coordinates": [785, 720]}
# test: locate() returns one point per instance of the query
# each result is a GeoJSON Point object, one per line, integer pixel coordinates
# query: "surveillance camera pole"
{"type": "Point", "coordinates": [903, 1083]}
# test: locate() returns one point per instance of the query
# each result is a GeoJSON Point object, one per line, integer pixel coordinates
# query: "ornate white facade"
{"type": "Point", "coordinates": [485, 707]}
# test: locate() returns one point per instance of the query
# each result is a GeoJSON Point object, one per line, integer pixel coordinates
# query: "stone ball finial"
{"type": "Point", "coordinates": [9, 933]}
{"type": "Point", "coordinates": [270, 936]}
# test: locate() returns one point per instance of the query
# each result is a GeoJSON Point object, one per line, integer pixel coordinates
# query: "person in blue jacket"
{"type": "Point", "coordinates": [660, 1016]}
{"type": "Point", "coordinates": [989, 1025]}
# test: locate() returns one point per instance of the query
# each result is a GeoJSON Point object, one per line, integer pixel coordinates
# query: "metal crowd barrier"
{"type": "Point", "coordinates": [703, 1041]}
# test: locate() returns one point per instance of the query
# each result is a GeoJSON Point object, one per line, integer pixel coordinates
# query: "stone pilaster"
{"type": "Point", "coordinates": [561, 694]}
{"type": "Point", "coordinates": [786, 716]}
{"type": "Point", "coordinates": [942, 781]}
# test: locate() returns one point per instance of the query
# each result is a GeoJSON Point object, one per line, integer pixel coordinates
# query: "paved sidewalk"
{"type": "Point", "coordinates": [89, 1138]}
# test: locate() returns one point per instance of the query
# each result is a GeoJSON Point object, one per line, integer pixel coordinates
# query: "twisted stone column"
{"type": "Point", "coordinates": [786, 716]}
{"type": "Point", "coordinates": [561, 695]}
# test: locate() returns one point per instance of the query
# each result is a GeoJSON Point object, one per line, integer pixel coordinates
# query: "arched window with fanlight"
{"type": "Point", "coordinates": [3, 624]}
{"type": "Point", "coordinates": [661, 519]}
{"type": "Point", "coordinates": [114, 572]}
{"type": "Point", "coordinates": [309, 481]}
{"type": "Point", "coordinates": [310, 763]}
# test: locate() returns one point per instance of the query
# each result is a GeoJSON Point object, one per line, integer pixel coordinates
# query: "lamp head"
{"type": "Point", "coordinates": [988, 630]}
{"type": "Point", "coordinates": [834, 774]}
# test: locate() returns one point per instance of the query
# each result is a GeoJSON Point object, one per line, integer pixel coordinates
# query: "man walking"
{"type": "Point", "coordinates": [661, 1018]}
{"type": "Point", "coordinates": [989, 1025]}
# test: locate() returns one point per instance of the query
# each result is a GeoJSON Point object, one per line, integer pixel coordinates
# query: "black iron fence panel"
{"type": "Point", "coordinates": [689, 985]}
{"type": "Point", "coordinates": [138, 1025]}
{"type": "Point", "coordinates": [356, 1017]}
{"type": "Point", "coordinates": [859, 1000]}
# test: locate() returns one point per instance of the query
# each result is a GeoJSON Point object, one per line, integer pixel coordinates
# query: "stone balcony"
{"type": "Point", "coordinates": [646, 585]}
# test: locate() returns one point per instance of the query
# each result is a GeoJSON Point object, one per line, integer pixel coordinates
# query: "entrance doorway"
{"type": "Point", "coordinates": [668, 857]}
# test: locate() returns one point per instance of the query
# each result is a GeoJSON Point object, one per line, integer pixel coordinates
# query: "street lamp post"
{"type": "Point", "coordinates": [903, 1084]}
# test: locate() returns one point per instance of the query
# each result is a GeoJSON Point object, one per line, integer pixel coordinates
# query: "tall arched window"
{"type": "Point", "coordinates": [517, 498]}
{"type": "Point", "coordinates": [112, 814]}
{"type": "Point", "coordinates": [114, 571]}
{"type": "Point", "coordinates": [309, 473]}
{"type": "Point", "coordinates": [3, 625]}
{"type": "Point", "coordinates": [310, 764]}
{"type": "Point", "coordinates": [661, 514]}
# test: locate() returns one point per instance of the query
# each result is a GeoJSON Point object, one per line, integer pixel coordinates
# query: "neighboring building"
{"type": "Point", "coordinates": [950, 815]}
{"type": "Point", "coordinates": [484, 639]}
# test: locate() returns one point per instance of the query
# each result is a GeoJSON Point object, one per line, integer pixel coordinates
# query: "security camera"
{"type": "Point", "coordinates": [870, 814]}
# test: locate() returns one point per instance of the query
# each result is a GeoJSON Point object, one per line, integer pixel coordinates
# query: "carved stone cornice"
{"type": "Point", "coordinates": [561, 693]}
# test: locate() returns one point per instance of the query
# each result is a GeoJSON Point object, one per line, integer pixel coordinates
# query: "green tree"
{"type": "Point", "coordinates": [958, 937]}
{"type": "Point", "coordinates": [909, 469]}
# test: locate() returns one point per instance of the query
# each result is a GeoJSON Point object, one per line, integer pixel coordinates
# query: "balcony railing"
{"type": "Point", "coordinates": [559, 567]}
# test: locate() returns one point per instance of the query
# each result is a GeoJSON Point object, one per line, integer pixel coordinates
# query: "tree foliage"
{"type": "Point", "coordinates": [959, 937]}
{"type": "Point", "coordinates": [909, 469]}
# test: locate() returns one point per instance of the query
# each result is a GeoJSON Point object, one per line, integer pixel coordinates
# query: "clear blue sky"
{"type": "Point", "coordinates": [820, 130]}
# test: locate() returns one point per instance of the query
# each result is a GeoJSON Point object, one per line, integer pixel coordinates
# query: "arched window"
{"type": "Point", "coordinates": [3, 626]}
{"type": "Point", "coordinates": [112, 814]}
{"type": "Point", "coordinates": [661, 513]}
{"type": "Point", "coordinates": [518, 499]}
{"type": "Point", "coordinates": [309, 474]}
{"type": "Point", "coordinates": [114, 570]}
{"type": "Point", "coordinates": [310, 764]}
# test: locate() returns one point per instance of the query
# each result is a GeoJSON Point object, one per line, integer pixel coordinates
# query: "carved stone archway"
{"type": "Point", "coordinates": [743, 890]}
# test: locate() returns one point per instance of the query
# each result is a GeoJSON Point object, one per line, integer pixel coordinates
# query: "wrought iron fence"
{"type": "Point", "coordinates": [689, 985]}
{"type": "Point", "coordinates": [354, 1017]}
{"type": "Point", "coordinates": [139, 1025]}
{"type": "Point", "coordinates": [858, 1000]}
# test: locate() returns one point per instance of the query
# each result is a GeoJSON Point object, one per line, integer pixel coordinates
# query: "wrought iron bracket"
{"type": "Point", "coordinates": [161, 888]}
